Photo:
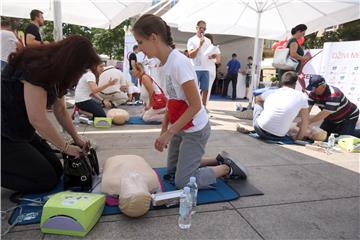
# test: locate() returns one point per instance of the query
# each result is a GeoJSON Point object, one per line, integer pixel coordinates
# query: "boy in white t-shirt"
{"type": "Point", "coordinates": [185, 128]}
{"type": "Point", "coordinates": [280, 107]}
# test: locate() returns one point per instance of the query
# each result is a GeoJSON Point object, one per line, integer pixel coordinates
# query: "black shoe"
{"type": "Point", "coordinates": [221, 157]}
{"type": "Point", "coordinates": [236, 171]}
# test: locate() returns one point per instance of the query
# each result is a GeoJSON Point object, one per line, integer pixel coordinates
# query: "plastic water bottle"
{"type": "Point", "coordinates": [193, 192]}
{"type": "Point", "coordinates": [76, 118]}
{"type": "Point", "coordinates": [185, 209]}
{"type": "Point", "coordinates": [330, 143]}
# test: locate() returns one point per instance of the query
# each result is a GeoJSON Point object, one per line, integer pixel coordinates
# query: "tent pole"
{"type": "Point", "coordinates": [254, 76]}
{"type": "Point", "coordinates": [58, 33]}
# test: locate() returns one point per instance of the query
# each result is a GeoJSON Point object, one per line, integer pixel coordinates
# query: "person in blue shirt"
{"type": "Point", "coordinates": [233, 67]}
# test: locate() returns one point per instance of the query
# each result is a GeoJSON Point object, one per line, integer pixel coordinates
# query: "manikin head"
{"type": "Point", "coordinates": [135, 197]}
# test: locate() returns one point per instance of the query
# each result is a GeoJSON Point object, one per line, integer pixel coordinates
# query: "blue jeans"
{"type": "Point", "coordinates": [91, 106]}
{"type": "Point", "coordinates": [261, 132]}
{"type": "Point", "coordinates": [134, 79]}
{"type": "Point", "coordinates": [203, 79]}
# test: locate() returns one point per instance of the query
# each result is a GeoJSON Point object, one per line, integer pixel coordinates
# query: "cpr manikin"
{"type": "Point", "coordinates": [132, 178]}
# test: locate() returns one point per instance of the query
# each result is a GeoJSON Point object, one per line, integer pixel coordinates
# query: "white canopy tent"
{"type": "Point", "coordinates": [261, 19]}
{"type": "Point", "coordinates": [91, 13]}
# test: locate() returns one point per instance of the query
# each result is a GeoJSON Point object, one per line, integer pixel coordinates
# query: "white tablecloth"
{"type": "Point", "coordinates": [240, 87]}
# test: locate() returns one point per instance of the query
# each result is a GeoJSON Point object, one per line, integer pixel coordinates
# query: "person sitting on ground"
{"type": "Point", "coordinates": [117, 93]}
{"type": "Point", "coordinates": [35, 78]}
{"type": "Point", "coordinates": [338, 114]}
{"type": "Point", "coordinates": [148, 87]}
{"type": "Point", "coordinates": [275, 111]}
{"type": "Point", "coordinates": [87, 89]}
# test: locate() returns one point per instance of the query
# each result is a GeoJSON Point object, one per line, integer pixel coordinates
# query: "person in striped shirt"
{"type": "Point", "coordinates": [338, 114]}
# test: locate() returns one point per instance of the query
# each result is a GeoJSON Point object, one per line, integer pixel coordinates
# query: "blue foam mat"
{"type": "Point", "coordinates": [31, 214]}
{"type": "Point", "coordinates": [285, 140]}
{"type": "Point", "coordinates": [137, 120]}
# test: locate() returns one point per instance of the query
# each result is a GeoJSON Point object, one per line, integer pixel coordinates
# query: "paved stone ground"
{"type": "Point", "coordinates": [308, 194]}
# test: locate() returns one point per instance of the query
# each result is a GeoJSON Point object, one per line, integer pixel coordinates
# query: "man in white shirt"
{"type": "Point", "coordinates": [116, 93]}
{"type": "Point", "coordinates": [280, 107]}
{"type": "Point", "coordinates": [196, 47]}
{"type": "Point", "coordinates": [9, 42]}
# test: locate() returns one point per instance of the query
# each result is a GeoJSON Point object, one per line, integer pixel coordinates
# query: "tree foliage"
{"type": "Point", "coordinates": [347, 32]}
{"type": "Point", "coordinates": [109, 42]}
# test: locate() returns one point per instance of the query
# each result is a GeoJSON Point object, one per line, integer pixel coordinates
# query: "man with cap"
{"type": "Point", "coordinates": [338, 114]}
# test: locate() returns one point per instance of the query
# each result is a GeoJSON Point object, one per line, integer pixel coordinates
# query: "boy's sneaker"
{"type": "Point", "coordinates": [236, 171]}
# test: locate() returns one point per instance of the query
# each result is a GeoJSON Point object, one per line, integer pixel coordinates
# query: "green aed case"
{"type": "Point", "coordinates": [71, 213]}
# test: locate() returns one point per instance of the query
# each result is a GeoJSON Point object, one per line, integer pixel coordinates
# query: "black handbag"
{"type": "Point", "coordinates": [79, 172]}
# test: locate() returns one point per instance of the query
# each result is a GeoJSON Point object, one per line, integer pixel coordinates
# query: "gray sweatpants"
{"type": "Point", "coordinates": [184, 157]}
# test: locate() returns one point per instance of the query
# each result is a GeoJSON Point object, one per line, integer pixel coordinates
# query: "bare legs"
{"type": "Point", "coordinates": [219, 170]}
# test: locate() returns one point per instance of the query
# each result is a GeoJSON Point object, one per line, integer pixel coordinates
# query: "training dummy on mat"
{"type": "Point", "coordinates": [133, 180]}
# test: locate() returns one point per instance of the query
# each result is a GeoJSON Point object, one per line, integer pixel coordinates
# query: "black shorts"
{"type": "Point", "coordinates": [248, 81]}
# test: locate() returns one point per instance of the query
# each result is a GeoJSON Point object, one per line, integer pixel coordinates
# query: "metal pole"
{"type": "Point", "coordinates": [254, 76]}
{"type": "Point", "coordinates": [58, 33]}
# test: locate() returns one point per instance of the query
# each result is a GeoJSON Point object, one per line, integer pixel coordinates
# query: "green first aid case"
{"type": "Point", "coordinates": [72, 213]}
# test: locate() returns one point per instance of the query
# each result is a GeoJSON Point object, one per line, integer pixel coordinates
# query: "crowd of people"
{"type": "Point", "coordinates": [35, 77]}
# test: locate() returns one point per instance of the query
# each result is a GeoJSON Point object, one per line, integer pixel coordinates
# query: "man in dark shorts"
{"type": "Point", "coordinates": [338, 114]}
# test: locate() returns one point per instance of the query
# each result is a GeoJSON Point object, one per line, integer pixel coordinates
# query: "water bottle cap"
{"type": "Point", "coordinates": [186, 190]}
{"type": "Point", "coordinates": [192, 179]}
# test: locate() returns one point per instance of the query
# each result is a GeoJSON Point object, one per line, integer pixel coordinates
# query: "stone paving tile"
{"type": "Point", "coordinates": [25, 235]}
{"type": "Point", "coordinates": [332, 219]}
{"type": "Point", "coordinates": [284, 184]}
{"type": "Point", "coordinates": [348, 179]}
{"type": "Point", "coordinates": [173, 211]}
{"type": "Point", "coordinates": [209, 225]}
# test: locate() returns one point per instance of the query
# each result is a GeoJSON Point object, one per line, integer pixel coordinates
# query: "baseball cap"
{"type": "Point", "coordinates": [315, 81]}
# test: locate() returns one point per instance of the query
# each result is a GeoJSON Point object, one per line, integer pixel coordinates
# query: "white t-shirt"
{"type": "Point", "coordinates": [82, 91]}
{"type": "Point", "coordinates": [173, 74]}
{"type": "Point", "coordinates": [8, 44]}
{"type": "Point", "coordinates": [200, 62]}
{"type": "Point", "coordinates": [280, 109]}
{"type": "Point", "coordinates": [112, 72]}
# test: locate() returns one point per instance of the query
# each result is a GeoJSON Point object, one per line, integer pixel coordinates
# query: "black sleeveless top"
{"type": "Point", "coordinates": [15, 123]}
{"type": "Point", "coordinates": [299, 50]}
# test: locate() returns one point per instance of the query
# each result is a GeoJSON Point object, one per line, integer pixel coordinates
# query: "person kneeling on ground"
{"type": "Point", "coordinates": [35, 78]}
{"type": "Point", "coordinates": [148, 87]}
{"type": "Point", "coordinates": [87, 88]}
{"type": "Point", "coordinates": [338, 114]}
{"type": "Point", "coordinates": [275, 111]}
{"type": "Point", "coordinates": [185, 127]}
{"type": "Point", "coordinates": [116, 93]}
